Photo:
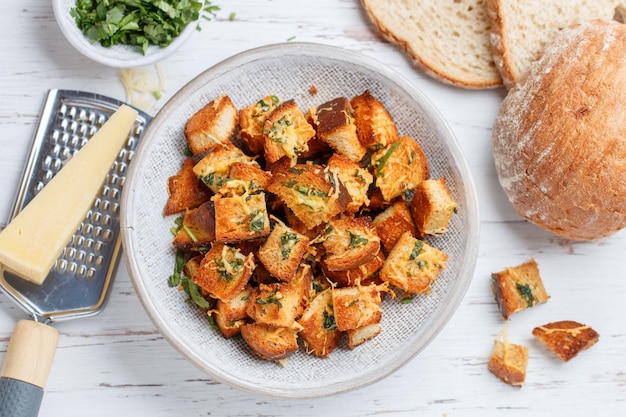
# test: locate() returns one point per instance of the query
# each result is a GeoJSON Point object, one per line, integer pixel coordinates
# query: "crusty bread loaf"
{"type": "Point", "coordinates": [450, 40]}
{"type": "Point", "coordinates": [521, 29]}
{"type": "Point", "coordinates": [559, 140]}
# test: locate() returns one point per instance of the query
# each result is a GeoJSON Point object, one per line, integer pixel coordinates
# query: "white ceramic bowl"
{"type": "Point", "coordinates": [289, 71]}
{"type": "Point", "coordinates": [118, 56]}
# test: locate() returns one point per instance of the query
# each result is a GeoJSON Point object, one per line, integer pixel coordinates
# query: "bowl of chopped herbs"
{"type": "Point", "coordinates": [130, 33]}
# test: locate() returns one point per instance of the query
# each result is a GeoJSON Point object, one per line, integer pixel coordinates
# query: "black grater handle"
{"type": "Point", "coordinates": [19, 398]}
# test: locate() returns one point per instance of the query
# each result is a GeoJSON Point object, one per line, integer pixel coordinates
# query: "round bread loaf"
{"type": "Point", "coordinates": [559, 140]}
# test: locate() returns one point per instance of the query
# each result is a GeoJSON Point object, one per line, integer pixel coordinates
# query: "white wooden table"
{"type": "Point", "coordinates": [117, 363]}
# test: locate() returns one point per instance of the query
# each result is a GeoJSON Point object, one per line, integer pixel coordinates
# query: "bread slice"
{"type": "Point", "coordinates": [521, 29]}
{"type": "Point", "coordinates": [450, 40]}
{"type": "Point", "coordinates": [566, 338]}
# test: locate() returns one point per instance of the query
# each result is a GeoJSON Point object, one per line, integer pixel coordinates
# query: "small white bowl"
{"type": "Point", "coordinates": [119, 56]}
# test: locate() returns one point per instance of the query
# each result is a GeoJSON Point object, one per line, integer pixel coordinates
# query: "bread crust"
{"type": "Point", "coordinates": [566, 338]}
{"type": "Point", "coordinates": [559, 140]}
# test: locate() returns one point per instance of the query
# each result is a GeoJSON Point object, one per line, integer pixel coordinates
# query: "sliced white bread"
{"type": "Point", "coordinates": [449, 40]}
{"type": "Point", "coordinates": [521, 29]}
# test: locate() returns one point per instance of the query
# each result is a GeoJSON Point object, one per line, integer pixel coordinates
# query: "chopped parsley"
{"type": "Point", "coordinates": [257, 221]}
{"type": "Point", "coordinates": [417, 248]}
{"type": "Point", "coordinates": [329, 321]}
{"type": "Point", "coordinates": [357, 240]}
{"type": "Point", "coordinates": [273, 298]}
{"type": "Point", "coordinates": [527, 294]}
{"type": "Point", "coordinates": [236, 266]}
{"type": "Point", "coordinates": [380, 165]}
{"type": "Point", "coordinates": [287, 241]}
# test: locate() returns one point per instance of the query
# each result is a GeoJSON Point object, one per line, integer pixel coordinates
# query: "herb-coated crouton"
{"type": "Point", "coordinates": [432, 207]}
{"type": "Point", "coordinates": [241, 218]}
{"type": "Point", "coordinates": [391, 223]}
{"type": "Point", "coordinates": [356, 307]}
{"type": "Point", "coordinates": [334, 123]}
{"type": "Point", "coordinates": [231, 315]}
{"type": "Point", "coordinates": [185, 190]}
{"type": "Point", "coordinates": [198, 228]}
{"type": "Point", "coordinates": [311, 193]}
{"type": "Point", "coordinates": [399, 167]}
{"type": "Point", "coordinates": [357, 337]}
{"type": "Point", "coordinates": [251, 121]}
{"type": "Point", "coordinates": [375, 126]}
{"type": "Point", "coordinates": [212, 125]}
{"type": "Point", "coordinates": [357, 180]}
{"type": "Point", "coordinates": [566, 338]}
{"type": "Point", "coordinates": [214, 168]}
{"type": "Point", "coordinates": [286, 132]}
{"type": "Point", "coordinates": [256, 179]}
{"type": "Point", "coordinates": [508, 362]}
{"type": "Point", "coordinates": [518, 288]}
{"type": "Point", "coordinates": [282, 251]}
{"type": "Point", "coordinates": [349, 243]}
{"type": "Point", "coordinates": [278, 304]}
{"type": "Point", "coordinates": [360, 275]}
{"type": "Point", "coordinates": [270, 342]}
{"type": "Point", "coordinates": [413, 265]}
{"type": "Point", "coordinates": [319, 329]}
{"type": "Point", "coordinates": [224, 271]}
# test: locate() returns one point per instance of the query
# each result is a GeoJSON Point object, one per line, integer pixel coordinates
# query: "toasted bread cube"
{"type": "Point", "coordinates": [310, 192]}
{"type": "Point", "coordinates": [357, 337]}
{"type": "Point", "coordinates": [214, 168]}
{"type": "Point", "coordinates": [432, 207]}
{"type": "Point", "coordinates": [360, 275]}
{"type": "Point", "coordinates": [393, 222]}
{"type": "Point", "coordinates": [413, 265]}
{"type": "Point", "coordinates": [374, 125]}
{"type": "Point", "coordinates": [319, 329]}
{"type": "Point", "coordinates": [357, 180]}
{"type": "Point", "coordinates": [399, 167]}
{"type": "Point", "coordinates": [198, 228]}
{"type": "Point", "coordinates": [240, 218]}
{"type": "Point", "coordinates": [185, 190]}
{"type": "Point", "coordinates": [566, 338]}
{"type": "Point", "coordinates": [349, 243]}
{"type": "Point", "coordinates": [270, 342]}
{"type": "Point", "coordinates": [212, 125]}
{"type": "Point", "coordinates": [277, 304]}
{"type": "Point", "coordinates": [518, 288]}
{"type": "Point", "coordinates": [224, 271]}
{"type": "Point", "coordinates": [357, 306]}
{"type": "Point", "coordinates": [282, 251]}
{"type": "Point", "coordinates": [286, 132]}
{"type": "Point", "coordinates": [508, 362]}
{"type": "Point", "coordinates": [256, 178]}
{"type": "Point", "coordinates": [334, 122]}
{"type": "Point", "coordinates": [231, 315]}
{"type": "Point", "coordinates": [251, 122]}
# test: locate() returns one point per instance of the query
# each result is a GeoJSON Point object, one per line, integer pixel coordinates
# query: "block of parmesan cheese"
{"type": "Point", "coordinates": [36, 237]}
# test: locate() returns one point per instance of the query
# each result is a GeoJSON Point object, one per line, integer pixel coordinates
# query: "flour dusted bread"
{"type": "Point", "coordinates": [559, 140]}
{"type": "Point", "coordinates": [449, 40]}
{"type": "Point", "coordinates": [521, 29]}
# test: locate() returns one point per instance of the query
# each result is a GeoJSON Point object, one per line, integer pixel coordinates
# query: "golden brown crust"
{"type": "Point", "coordinates": [360, 275]}
{"type": "Point", "coordinates": [566, 338]}
{"type": "Point", "coordinates": [278, 304]}
{"type": "Point", "coordinates": [508, 362]}
{"type": "Point", "coordinates": [241, 218]}
{"type": "Point", "coordinates": [357, 181]}
{"type": "Point", "coordinates": [356, 337]}
{"type": "Point", "coordinates": [251, 121]}
{"type": "Point", "coordinates": [319, 330]}
{"type": "Point", "coordinates": [286, 132]}
{"type": "Point", "coordinates": [231, 315]}
{"type": "Point", "coordinates": [432, 207]}
{"type": "Point", "coordinates": [393, 222]}
{"type": "Point", "coordinates": [282, 252]}
{"type": "Point", "coordinates": [349, 243]}
{"type": "Point", "coordinates": [211, 126]}
{"type": "Point", "coordinates": [374, 125]}
{"type": "Point", "coordinates": [356, 307]}
{"type": "Point", "coordinates": [334, 123]}
{"type": "Point", "coordinates": [270, 342]}
{"type": "Point", "coordinates": [200, 222]}
{"type": "Point", "coordinates": [185, 190]}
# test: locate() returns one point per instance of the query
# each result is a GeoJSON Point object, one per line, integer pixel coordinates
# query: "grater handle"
{"type": "Point", "coordinates": [26, 367]}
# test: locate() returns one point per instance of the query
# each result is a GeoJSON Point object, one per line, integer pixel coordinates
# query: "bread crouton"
{"type": "Point", "coordinates": [185, 190]}
{"type": "Point", "coordinates": [413, 265]}
{"type": "Point", "coordinates": [357, 337]}
{"type": "Point", "coordinates": [231, 315]}
{"type": "Point", "coordinates": [432, 207]}
{"type": "Point", "coordinates": [251, 122]}
{"type": "Point", "coordinates": [508, 362]}
{"type": "Point", "coordinates": [356, 307]}
{"type": "Point", "coordinates": [214, 168]}
{"type": "Point", "coordinates": [310, 192]}
{"type": "Point", "coordinates": [334, 124]}
{"type": "Point", "coordinates": [518, 288]}
{"type": "Point", "coordinates": [360, 275]}
{"type": "Point", "coordinates": [256, 178]}
{"type": "Point", "coordinates": [286, 132]}
{"type": "Point", "coordinates": [270, 342]}
{"type": "Point", "coordinates": [277, 304]}
{"type": "Point", "coordinates": [224, 271]}
{"type": "Point", "coordinates": [566, 338]}
{"type": "Point", "coordinates": [212, 125]}
{"type": "Point", "coordinates": [374, 125]}
{"type": "Point", "coordinates": [391, 223]}
{"type": "Point", "coordinates": [282, 251]}
{"type": "Point", "coordinates": [198, 228]}
{"type": "Point", "coordinates": [319, 329]}
{"type": "Point", "coordinates": [240, 218]}
{"type": "Point", "coordinates": [399, 167]}
{"type": "Point", "coordinates": [357, 180]}
{"type": "Point", "coordinates": [349, 243]}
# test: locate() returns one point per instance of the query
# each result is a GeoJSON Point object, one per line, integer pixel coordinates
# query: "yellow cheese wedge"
{"type": "Point", "coordinates": [36, 237]}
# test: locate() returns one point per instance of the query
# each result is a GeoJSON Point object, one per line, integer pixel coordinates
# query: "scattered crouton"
{"type": "Point", "coordinates": [566, 338]}
{"type": "Point", "coordinates": [518, 288]}
{"type": "Point", "coordinates": [211, 126]}
{"type": "Point", "coordinates": [508, 362]}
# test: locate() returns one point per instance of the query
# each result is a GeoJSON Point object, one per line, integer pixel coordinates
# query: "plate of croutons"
{"type": "Point", "coordinates": [299, 220]}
